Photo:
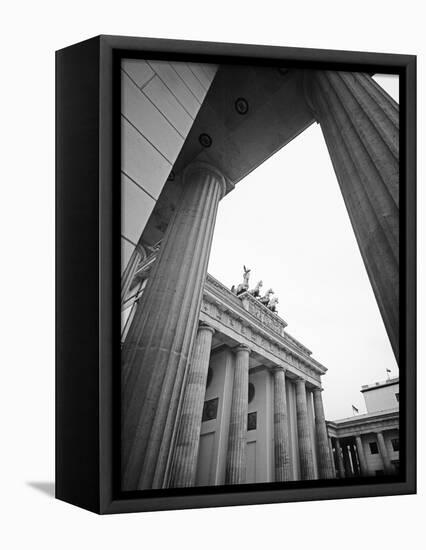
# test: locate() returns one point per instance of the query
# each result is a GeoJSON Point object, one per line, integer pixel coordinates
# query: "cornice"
{"type": "Point", "coordinates": [266, 325]}
{"type": "Point", "coordinates": [261, 312]}
{"type": "Point", "coordinates": [246, 296]}
{"type": "Point", "coordinates": [229, 311]}
{"type": "Point", "coordinates": [367, 416]}
{"type": "Point", "coordinates": [363, 424]}
{"type": "Point", "coordinates": [384, 384]}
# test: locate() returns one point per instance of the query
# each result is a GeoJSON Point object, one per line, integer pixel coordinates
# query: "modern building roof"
{"type": "Point", "coordinates": [381, 384]}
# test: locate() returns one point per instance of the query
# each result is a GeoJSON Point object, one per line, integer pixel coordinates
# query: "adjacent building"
{"type": "Point", "coordinates": [368, 444]}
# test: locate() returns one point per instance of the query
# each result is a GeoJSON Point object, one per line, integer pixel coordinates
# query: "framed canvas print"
{"type": "Point", "coordinates": [235, 274]}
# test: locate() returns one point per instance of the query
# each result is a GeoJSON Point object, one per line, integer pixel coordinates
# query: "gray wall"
{"type": "Point", "coordinates": [160, 101]}
{"type": "Point", "coordinates": [375, 461]}
{"type": "Point", "coordinates": [214, 433]}
{"type": "Point", "coordinates": [382, 398]}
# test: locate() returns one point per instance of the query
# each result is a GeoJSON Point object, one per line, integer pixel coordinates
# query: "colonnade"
{"type": "Point", "coordinates": [184, 461]}
{"type": "Point", "coordinates": [350, 458]}
{"type": "Point", "coordinates": [360, 125]}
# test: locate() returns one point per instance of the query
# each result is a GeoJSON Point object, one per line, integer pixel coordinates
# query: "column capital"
{"type": "Point", "coordinates": [279, 368]}
{"type": "Point", "coordinates": [242, 347]}
{"type": "Point", "coordinates": [207, 168]}
{"type": "Point", "coordinates": [316, 389]}
{"type": "Point", "coordinates": [205, 326]}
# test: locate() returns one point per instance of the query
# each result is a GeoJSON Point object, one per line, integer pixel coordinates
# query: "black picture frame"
{"type": "Point", "coordinates": [87, 217]}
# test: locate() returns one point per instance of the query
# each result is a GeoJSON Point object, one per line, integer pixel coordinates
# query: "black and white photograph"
{"type": "Point", "coordinates": [213, 239]}
{"type": "Point", "coordinates": [260, 275]}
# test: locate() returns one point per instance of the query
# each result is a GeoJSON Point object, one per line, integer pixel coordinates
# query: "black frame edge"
{"type": "Point", "coordinates": [98, 496]}
{"type": "Point", "coordinates": [77, 294]}
{"type": "Point", "coordinates": [410, 154]}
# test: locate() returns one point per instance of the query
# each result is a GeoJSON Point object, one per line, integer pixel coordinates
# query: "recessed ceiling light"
{"type": "Point", "coordinates": [241, 106]}
{"type": "Point", "coordinates": [205, 140]}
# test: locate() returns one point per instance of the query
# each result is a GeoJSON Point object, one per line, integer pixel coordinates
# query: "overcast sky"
{"type": "Point", "coordinates": [287, 222]}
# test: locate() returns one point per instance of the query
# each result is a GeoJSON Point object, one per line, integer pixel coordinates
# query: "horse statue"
{"type": "Point", "coordinates": [255, 292]}
{"type": "Point", "coordinates": [272, 304]}
{"type": "Point", "coordinates": [265, 299]}
{"type": "Point", "coordinates": [243, 287]}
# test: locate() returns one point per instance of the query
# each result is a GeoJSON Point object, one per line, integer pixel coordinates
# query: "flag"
{"type": "Point", "coordinates": [354, 410]}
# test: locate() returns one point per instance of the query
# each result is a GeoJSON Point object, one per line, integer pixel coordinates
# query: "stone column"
{"type": "Point", "coordinates": [360, 123]}
{"type": "Point", "coordinates": [160, 339]}
{"type": "Point", "coordinates": [361, 456]}
{"type": "Point", "coordinates": [330, 446]}
{"type": "Point", "coordinates": [325, 465]}
{"type": "Point", "coordinates": [354, 459]}
{"type": "Point", "coordinates": [307, 469]}
{"type": "Point", "coordinates": [347, 461]}
{"type": "Point", "coordinates": [184, 463]}
{"type": "Point", "coordinates": [387, 465]}
{"type": "Point", "coordinates": [340, 465]}
{"type": "Point", "coordinates": [283, 470]}
{"type": "Point", "coordinates": [237, 439]}
{"type": "Point", "coordinates": [136, 257]}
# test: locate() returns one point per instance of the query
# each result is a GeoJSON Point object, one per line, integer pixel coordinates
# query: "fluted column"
{"type": "Point", "coordinates": [307, 468]}
{"type": "Point", "coordinates": [387, 465]}
{"type": "Point", "coordinates": [160, 339]}
{"type": "Point", "coordinates": [330, 447]}
{"type": "Point", "coordinates": [325, 465]}
{"type": "Point", "coordinates": [361, 456]}
{"type": "Point", "coordinates": [347, 461]}
{"type": "Point", "coordinates": [354, 459]}
{"type": "Point", "coordinates": [184, 464]}
{"type": "Point", "coordinates": [283, 470]}
{"type": "Point", "coordinates": [340, 465]}
{"type": "Point", "coordinates": [360, 123]}
{"type": "Point", "coordinates": [237, 439]}
{"type": "Point", "coordinates": [129, 272]}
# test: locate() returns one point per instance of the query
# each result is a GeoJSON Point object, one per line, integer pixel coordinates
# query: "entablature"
{"type": "Point", "coordinates": [226, 313]}
{"type": "Point", "coordinates": [351, 427]}
{"type": "Point", "coordinates": [258, 310]}
{"type": "Point", "coordinates": [246, 319]}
